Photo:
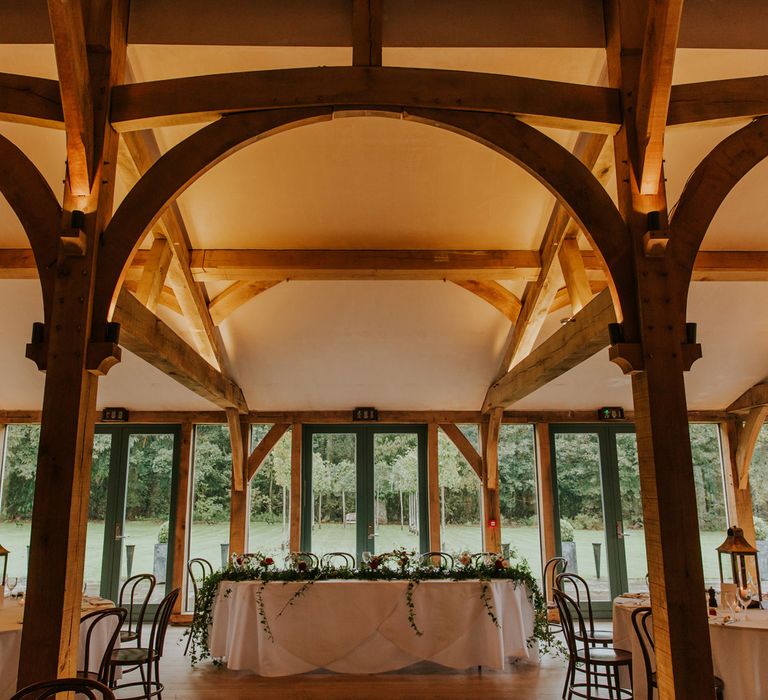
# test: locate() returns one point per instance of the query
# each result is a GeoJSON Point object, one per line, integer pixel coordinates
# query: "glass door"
{"type": "Point", "coordinates": [132, 507]}
{"type": "Point", "coordinates": [596, 483]}
{"type": "Point", "coordinates": [363, 488]}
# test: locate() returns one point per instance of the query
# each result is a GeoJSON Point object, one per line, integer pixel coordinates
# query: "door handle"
{"type": "Point", "coordinates": [620, 529]}
{"type": "Point", "coordinates": [118, 532]}
{"type": "Point", "coordinates": [371, 533]}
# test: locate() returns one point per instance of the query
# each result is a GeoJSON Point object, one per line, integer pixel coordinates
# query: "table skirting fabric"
{"type": "Point", "coordinates": [362, 626]}
{"type": "Point", "coordinates": [739, 652]}
{"type": "Point", "coordinates": [10, 645]}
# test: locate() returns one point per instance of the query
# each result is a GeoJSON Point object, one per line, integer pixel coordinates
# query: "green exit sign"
{"type": "Point", "coordinates": [610, 413]}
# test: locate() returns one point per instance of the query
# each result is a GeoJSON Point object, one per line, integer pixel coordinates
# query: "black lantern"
{"type": "Point", "coordinates": [739, 550]}
{"type": "Point", "coordinates": [4, 556]}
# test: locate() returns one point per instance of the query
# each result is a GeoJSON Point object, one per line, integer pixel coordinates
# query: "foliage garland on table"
{"type": "Point", "coordinates": [399, 565]}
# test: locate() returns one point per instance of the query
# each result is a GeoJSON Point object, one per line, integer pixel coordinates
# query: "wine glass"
{"type": "Point", "coordinates": [745, 597]}
{"type": "Point", "coordinates": [732, 601]}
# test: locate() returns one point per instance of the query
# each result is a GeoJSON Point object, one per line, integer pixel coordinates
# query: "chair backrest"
{"type": "Point", "coordinates": [641, 622]}
{"type": "Point", "coordinates": [160, 623]}
{"type": "Point", "coordinates": [446, 560]}
{"type": "Point", "coordinates": [572, 620]}
{"type": "Point", "coordinates": [93, 690]}
{"type": "Point", "coordinates": [481, 557]}
{"type": "Point", "coordinates": [133, 601]}
{"type": "Point", "coordinates": [311, 560]}
{"type": "Point", "coordinates": [554, 567]}
{"type": "Point", "coordinates": [347, 559]}
{"type": "Point", "coordinates": [569, 581]}
{"type": "Point", "coordinates": [198, 569]}
{"type": "Point", "coordinates": [94, 621]}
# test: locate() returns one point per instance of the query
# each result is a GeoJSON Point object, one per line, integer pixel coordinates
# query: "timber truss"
{"type": "Point", "coordinates": [625, 274]}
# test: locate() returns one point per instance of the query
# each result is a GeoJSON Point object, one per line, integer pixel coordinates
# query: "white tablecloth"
{"type": "Point", "coordinates": [10, 645]}
{"type": "Point", "coordinates": [739, 652]}
{"type": "Point", "coordinates": [362, 626]}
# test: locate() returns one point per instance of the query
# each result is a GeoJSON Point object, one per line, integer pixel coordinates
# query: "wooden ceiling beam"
{"type": "Point", "coordinates": [205, 98]}
{"type": "Point", "coordinates": [144, 151]}
{"type": "Point", "coordinates": [575, 274]}
{"type": "Point", "coordinates": [264, 447]}
{"type": "Point", "coordinates": [718, 100]}
{"type": "Point", "coordinates": [583, 336]}
{"type": "Point", "coordinates": [147, 336]}
{"type": "Point", "coordinates": [153, 274]}
{"type": "Point", "coordinates": [236, 435]}
{"type": "Point", "coordinates": [234, 296]}
{"type": "Point", "coordinates": [495, 294]}
{"type": "Point", "coordinates": [167, 297]}
{"type": "Point", "coordinates": [754, 397]}
{"type": "Point", "coordinates": [748, 433]}
{"type": "Point", "coordinates": [366, 32]}
{"type": "Point", "coordinates": [454, 433]}
{"type": "Point", "coordinates": [305, 264]}
{"type": "Point", "coordinates": [654, 89]}
{"type": "Point", "coordinates": [540, 295]}
{"type": "Point", "coordinates": [28, 100]}
{"type": "Point", "coordinates": [68, 30]}
{"type": "Point", "coordinates": [711, 266]}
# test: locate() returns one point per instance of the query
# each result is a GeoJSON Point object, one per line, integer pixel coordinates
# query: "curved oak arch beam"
{"type": "Point", "coordinates": [170, 175]}
{"type": "Point", "coordinates": [566, 177]}
{"type": "Point", "coordinates": [207, 97]}
{"type": "Point", "coordinates": [37, 208]}
{"type": "Point", "coordinates": [711, 182]}
{"type": "Point", "coordinates": [557, 169]}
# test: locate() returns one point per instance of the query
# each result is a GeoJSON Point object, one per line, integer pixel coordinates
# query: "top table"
{"type": "Point", "coordinates": [362, 626]}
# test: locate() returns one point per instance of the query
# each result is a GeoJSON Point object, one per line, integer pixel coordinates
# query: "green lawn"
{"type": "Point", "coordinates": [206, 541]}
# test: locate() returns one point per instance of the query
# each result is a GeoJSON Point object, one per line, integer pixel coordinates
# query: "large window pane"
{"type": "Point", "coordinates": [631, 511]}
{"type": "Point", "coordinates": [710, 501]}
{"type": "Point", "coordinates": [270, 489]}
{"type": "Point", "coordinates": [211, 486]}
{"type": "Point", "coordinates": [17, 495]}
{"type": "Point", "coordinates": [461, 496]}
{"type": "Point", "coordinates": [334, 493]}
{"type": "Point", "coordinates": [97, 512]}
{"type": "Point", "coordinates": [396, 491]}
{"type": "Point", "coordinates": [517, 492]}
{"type": "Point", "coordinates": [758, 483]}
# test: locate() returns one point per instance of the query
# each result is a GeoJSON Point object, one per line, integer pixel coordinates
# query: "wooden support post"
{"type": "Point", "coordinates": [655, 351]}
{"type": "Point", "coordinates": [433, 488]}
{"type": "Point", "coordinates": [49, 643]}
{"type": "Point", "coordinates": [296, 483]}
{"type": "Point", "coordinates": [238, 514]}
{"type": "Point", "coordinates": [183, 504]}
{"type": "Point", "coordinates": [738, 493]}
{"type": "Point", "coordinates": [239, 451]}
{"type": "Point", "coordinates": [489, 434]}
{"type": "Point", "coordinates": [546, 494]}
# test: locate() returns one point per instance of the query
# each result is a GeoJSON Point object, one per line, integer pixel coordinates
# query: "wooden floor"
{"type": "Point", "coordinates": [205, 682]}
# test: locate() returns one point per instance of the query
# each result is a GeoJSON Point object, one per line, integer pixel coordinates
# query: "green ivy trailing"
{"type": "Point", "coordinates": [399, 565]}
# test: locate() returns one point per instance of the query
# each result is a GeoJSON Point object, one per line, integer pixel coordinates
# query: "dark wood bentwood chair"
{"type": "Point", "coordinates": [134, 597]}
{"type": "Point", "coordinates": [641, 621]}
{"type": "Point", "coordinates": [554, 567]}
{"type": "Point", "coordinates": [147, 659]}
{"type": "Point", "coordinates": [93, 690]}
{"type": "Point", "coordinates": [598, 665]}
{"type": "Point", "coordinates": [94, 620]}
{"type": "Point", "coordinates": [311, 560]}
{"type": "Point", "coordinates": [198, 570]}
{"type": "Point", "coordinates": [578, 589]}
{"type": "Point", "coordinates": [479, 558]}
{"type": "Point", "coordinates": [348, 560]}
{"type": "Point", "coordinates": [430, 558]}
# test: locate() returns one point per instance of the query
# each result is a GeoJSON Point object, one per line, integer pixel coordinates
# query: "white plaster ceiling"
{"type": "Point", "coordinates": [366, 183]}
